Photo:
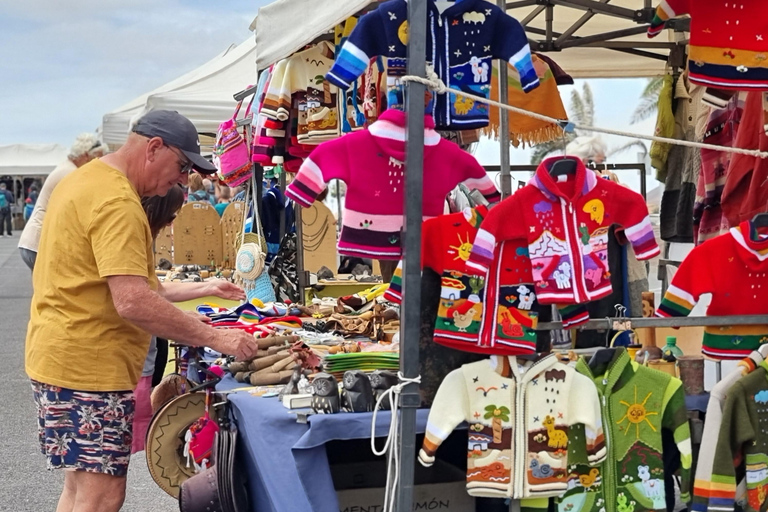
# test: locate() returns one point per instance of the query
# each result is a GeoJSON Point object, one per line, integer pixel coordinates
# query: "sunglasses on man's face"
{"type": "Point", "coordinates": [185, 164]}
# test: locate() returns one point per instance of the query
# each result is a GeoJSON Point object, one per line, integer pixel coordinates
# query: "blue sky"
{"type": "Point", "coordinates": [68, 63]}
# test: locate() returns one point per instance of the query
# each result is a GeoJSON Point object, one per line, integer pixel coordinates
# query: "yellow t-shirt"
{"type": "Point", "coordinates": [95, 227]}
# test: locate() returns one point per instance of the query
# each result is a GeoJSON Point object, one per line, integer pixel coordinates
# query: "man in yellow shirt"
{"type": "Point", "coordinates": [96, 301]}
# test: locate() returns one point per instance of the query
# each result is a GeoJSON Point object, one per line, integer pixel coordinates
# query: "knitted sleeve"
{"type": "Point", "coordinates": [675, 419]}
{"type": "Point", "coordinates": [449, 409]}
{"type": "Point", "coordinates": [474, 176]}
{"type": "Point", "coordinates": [630, 211]}
{"type": "Point", "coordinates": [277, 100]}
{"type": "Point", "coordinates": [736, 430]}
{"type": "Point", "coordinates": [666, 10]}
{"type": "Point", "coordinates": [504, 222]}
{"type": "Point", "coordinates": [327, 162]}
{"type": "Point", "coordinates": [586, 410]}
{"type": "Point", "coordinates": [511, 44]}
{"type": "Point", "coordinates": [366, 41]}
{"type": "Point", "coordinates": [691, 280]}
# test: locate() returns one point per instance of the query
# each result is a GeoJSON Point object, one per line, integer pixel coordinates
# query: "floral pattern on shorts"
{"type": "Point", "coordinates": [85, 431]}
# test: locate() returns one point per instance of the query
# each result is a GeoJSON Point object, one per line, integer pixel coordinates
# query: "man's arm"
{"type": "Point", "coordinates": [180, 292]}
{"type": "Point", "coordinates": [138, 304]}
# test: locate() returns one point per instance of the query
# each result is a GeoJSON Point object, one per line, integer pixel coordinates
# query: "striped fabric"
{"type": "Point", "coordinates": [664, 12]}
{"type": "Point", "coordinates": [642, 239]}
{"type": "Point", "coordinates": [350, 64]}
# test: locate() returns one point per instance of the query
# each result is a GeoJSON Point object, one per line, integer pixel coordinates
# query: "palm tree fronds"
{"type": "Point", "coordinates": [649, 100]}
{"type": "Point", "coordinates": [629, 145]}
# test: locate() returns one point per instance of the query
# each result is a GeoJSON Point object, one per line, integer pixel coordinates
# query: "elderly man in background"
{"type": "Point", "coordinates": [97, 300]}
{"type": "Point", "coordinates": [86, 148]}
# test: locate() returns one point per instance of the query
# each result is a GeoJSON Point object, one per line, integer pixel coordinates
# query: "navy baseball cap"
{"type": "Point", "coordinates": [177, 131]}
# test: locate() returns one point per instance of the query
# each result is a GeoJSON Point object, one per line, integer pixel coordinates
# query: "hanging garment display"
{"type": "Point", "coordinates": [734, 268]}
{"type": "Point", "coordinates": [521, 417]}
{"type": "Point", "coordinates": [461, 43]}
{"type": "Point", "coordinates": [638, 403]}
{"type": "Point", "coordinates": [303, 73]}
{"type": "Point", "coordinates": [372, 164]}
{"type": "Point", "coordinates": [728, 41]}
{"type": "Point", "coordinates": [476, 313]}
{"type": "Point", "coordinates": [743, 443]}
{"type": "Point", "coordinates": [704, 488]}
{"type": "Point", "coordinates": [745, 193]}
{"type": "Point", "coordinates": [543, 100]}
{"type": "Point", "coordinates": [722, 128]}
{"type": "Point", "coordinates": [683, 164]}
{"type": "Point", "coordinates": [565, 224]}
{"type": "Point", "coordinates": [665, 127]}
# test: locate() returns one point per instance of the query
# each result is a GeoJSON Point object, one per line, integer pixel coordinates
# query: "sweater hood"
{"type": "Point", "coordinates": [586, 180]}
{"type": "Point", "coordinates": [389, 134]}
{"type": "Point", "coordinates": [614, 375]}
{"type": "Point", "coordinates": [752, 244]}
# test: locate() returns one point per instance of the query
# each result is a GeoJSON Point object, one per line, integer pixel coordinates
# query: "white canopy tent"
{"type": "Point", "coordinates": [278, 35]}
{"type": "Point", "coordinates": [204, 95]}
{"type": "Point", "coordinates": [21, 160]}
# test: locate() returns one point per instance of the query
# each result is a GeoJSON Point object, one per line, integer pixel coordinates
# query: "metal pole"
{"type": "Point", "coordinates": [506, 177]}
{"type": "Point", "coordinates": [411, 310]}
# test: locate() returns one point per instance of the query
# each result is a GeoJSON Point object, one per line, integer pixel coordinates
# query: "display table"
{"type": "Point", "coordinates": [286, 461]}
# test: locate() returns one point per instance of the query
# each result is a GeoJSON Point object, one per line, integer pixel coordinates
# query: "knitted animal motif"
{"type": "Point", "coordinates": [540, 470]}
{"type": "Point", "coordinates": [510, 328]}
{"type": "Point", "coordinates": [557, 438]}
{"type": "Point", "coordinates": [590, 479]}
{"type": "Point", "coordinates": [526, 297]}
{"type": "Point", "coordinates": [595, 275]}
{"type": "Point", "coordinates": [479, 69]}
{"type": "Point", "coordinates": [563, 275]}
{"type": "Point", "coordinates": [653, 487]}
{"type": "Point", "coordinates": [623, 505]}
{"type": "Point", "coordinates": [465, 320]}
{"type": "Point", "coordinates": [463, 105]}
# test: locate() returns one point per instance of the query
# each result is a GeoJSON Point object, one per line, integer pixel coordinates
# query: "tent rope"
{"type": "Point", "coordinates": [434, 83]}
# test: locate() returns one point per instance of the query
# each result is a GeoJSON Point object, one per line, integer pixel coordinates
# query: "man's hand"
{"type": "Point", "coordinates": [225, 290]}
{"type": "Point", "coordinates": [236, 343]}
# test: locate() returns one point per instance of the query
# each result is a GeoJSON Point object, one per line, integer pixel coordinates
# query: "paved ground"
{"type": "Point", "coordinates": [25, 485]}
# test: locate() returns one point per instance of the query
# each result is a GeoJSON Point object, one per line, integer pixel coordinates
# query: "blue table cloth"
{"type": "Point", "coordinates": [286, 461]}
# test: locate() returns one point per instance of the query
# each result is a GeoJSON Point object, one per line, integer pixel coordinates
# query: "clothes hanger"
{"type": "Point", "coordinates": [760, 220]}
{"type": "Point", "coordinates": [565, 166]}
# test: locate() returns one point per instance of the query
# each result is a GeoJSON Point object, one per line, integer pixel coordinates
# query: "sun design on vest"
{"type": "Point", "coordinates": [636, 414]}
{"type": "Point", "coordinates": [464, 249]}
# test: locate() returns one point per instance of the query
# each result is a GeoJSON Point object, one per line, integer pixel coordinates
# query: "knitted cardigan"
{"type": "Point", "coordinates": [638, 403]}
{"type": "Point", "coordinates": [703, 487]}
{"type": "Point", "coordinates": [728, 43]}
{"type": "Point", "coordinates": [493, 314]}
{"type": "Point", "coordinates": [743, 442]}
{"type": "Point", "coordinates": [522, 417]}
{"type": "Point", "coordinates": [461, 45]}
{"type": "Point", "coordinates": [371, 163]}
{"type": "Point", "coordinates": [300, 78]}
{"type": "Point", "coordinates": [566, 227]}
{"type": "Point", "coordinates": [733, 267]}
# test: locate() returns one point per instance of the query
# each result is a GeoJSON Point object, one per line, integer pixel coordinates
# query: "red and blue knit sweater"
{"type": "Point", "coordinates": [733, 267]}
{"type": "Point", "coordinates": [729, 41]}
{"type": "Point", "coordinates": [461, 45]}
{"type": "Point", "coordinates": [566, 226]}
{"type": "Point", "coordinates": [372, 164]}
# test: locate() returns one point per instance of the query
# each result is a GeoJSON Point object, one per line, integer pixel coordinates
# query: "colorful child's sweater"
{"type": "Point", "coordinates": [372, 164]}
{"type": "Point", "coordinates": [566, 226]}
{"type": "Point", "coordinates": [461, 45]}
{"type": "Point", "coordinates": [299, 80]}
{"type": "Point", "coordinates": [729, 41]}
{"type": "Point", "coordinates": [704, 488]}
{"type": "Point", "coordinates": [743, 442]}
{"type": "Point", "coordinates": [493, 314]}
{"type": "Point", "coordinates": [638, 402]}
{"type": "Point", "coordinates": [733, 267]}
{"type": "Point", "coordinates": [523, 421]}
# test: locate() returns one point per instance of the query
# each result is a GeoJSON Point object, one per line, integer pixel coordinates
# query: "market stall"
{"type": "Point", "coordinates": [579, 422]}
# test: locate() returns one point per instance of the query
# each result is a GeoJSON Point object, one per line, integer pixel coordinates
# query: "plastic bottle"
{"type": "Point", "coordinates": [671, 349]}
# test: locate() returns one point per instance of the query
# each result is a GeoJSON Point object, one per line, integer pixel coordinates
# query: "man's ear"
{"type": "Point", "coordinates": [154, 145]}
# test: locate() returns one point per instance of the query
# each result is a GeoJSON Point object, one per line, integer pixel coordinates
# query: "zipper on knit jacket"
{"type": "Point", "coordinates": [520, 453]}
{"type": "Point", "coordinates": [609, 487]}
{"type": "Point", "coordinates": [571, 235]}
